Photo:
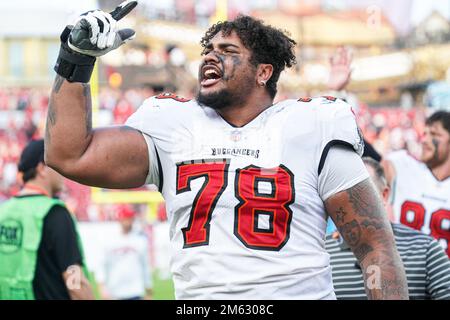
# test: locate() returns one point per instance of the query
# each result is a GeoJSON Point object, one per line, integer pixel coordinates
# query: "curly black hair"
{"type": "Point", "coordinates": [440, 116]}
{"type": "Point", "coordinates": [267, 44]}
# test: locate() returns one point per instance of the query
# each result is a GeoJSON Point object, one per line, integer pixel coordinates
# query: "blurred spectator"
{"type": "Point", "coordinates": [126, 272]}
{"type": "Point", "coordinates": [122, 111]}
{"type": "Point", "coordinates": [41, 255]}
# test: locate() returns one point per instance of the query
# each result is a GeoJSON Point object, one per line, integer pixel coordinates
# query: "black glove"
{"type": "Point", "coordinates": [94, 34]}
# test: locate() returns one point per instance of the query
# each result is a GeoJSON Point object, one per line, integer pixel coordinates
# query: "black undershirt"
{"type": "Point", "coordinates": [369, 151]}
{"type": "Point", "coordinates": [57, 251]}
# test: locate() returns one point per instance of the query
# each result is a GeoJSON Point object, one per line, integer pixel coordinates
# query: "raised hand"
{"type": "Point", "coordinates": [95, 32]}
{"type": "Point", "coordinates": [340, 69]}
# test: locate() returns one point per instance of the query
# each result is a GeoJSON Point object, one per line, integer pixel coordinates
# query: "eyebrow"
{"type": "Point", "coordinates": [222, 45]}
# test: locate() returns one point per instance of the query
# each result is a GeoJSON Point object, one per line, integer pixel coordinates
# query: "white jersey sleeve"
{"type": "Point", "coordinates": [338, 127]}
{"type": "Point", "coordinates": [340, 165]}
{"type": "Point", "coordinates": [137, 120]}
{"type": "Point", "coordinates": [342, 170]}
{"type": "Point", "coordinates": [161, 119]}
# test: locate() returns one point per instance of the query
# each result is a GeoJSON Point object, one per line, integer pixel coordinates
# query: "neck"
{"type": "Point", "coordinates": [442, 171]}
{"type": "Point", "coordinates": [390, 213]}
{"type": "Point", "coordinates": [240, 115]}
{"type": "Point", "coordinates": [34, 187]}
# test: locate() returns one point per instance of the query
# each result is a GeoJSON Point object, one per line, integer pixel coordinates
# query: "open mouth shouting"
{"type": "Point", "coordinates": [210, 76]}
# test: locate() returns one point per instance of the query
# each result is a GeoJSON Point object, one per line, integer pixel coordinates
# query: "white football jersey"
{"type": "Point", "coordinates": [419, 200]}
{"type": "Point", "coordinates": [245, 205]}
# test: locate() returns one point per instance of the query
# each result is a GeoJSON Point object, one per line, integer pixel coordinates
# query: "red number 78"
{"type": "Point", "coordinates": [252, 205]}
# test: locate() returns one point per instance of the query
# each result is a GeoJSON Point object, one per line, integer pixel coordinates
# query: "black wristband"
{"type": "Point", "coordinates": [73, 66]}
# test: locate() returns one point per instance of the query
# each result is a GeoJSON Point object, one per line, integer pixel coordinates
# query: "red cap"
{"type": "Point", "coordinates": [125, 212]}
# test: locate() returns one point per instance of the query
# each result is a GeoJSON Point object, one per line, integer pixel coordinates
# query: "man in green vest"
{"type": "Point", "coordinates": [41, 256]}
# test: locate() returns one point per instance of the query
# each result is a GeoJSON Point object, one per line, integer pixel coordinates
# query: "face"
{"type": "Point", "coordinates": [127, 224]}
{"type": "Point", "coordinates": [383, 191]}
{"type": "Point", "coordinates": [226, 76]}
{"type": "Point", "coordinates": [56, 181]}
{"type": "Point", "coordinates": [435, 145]}
{"type": "Point", "coordinates": [50, 178]}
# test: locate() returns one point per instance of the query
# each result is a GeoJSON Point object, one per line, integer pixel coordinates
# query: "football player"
{"type": "Point", "coordinates": [421, 188]}
{"type": "Point", "coordinates": [248, 183]}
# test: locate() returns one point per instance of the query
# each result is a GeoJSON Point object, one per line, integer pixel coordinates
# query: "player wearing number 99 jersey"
{"type": "Point", "coordinates": [248, 183]}
{"type": "Point", "coordinates": [421, 188]}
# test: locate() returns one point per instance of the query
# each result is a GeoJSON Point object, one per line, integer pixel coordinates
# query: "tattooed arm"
{"type": "Point", "coordinates": [361, 219]}
{"type": "Point", "coordinates": [113, 157]}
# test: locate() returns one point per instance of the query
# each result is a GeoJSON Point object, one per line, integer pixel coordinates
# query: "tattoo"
{"type": "Point", "coordinates": [88, 106]}
{"type": "Point", "coordinates": [387, 288]}
{"type": "Point", "coordinates": [58, 83]}
{"type": "Point", "coordinates": [372, 224]}
{"type": "Point", "coordinates": [362, 251]}
{"type": "Point", "coordinates": [351, 232]}
{"type": "Point", "coordinates": [47, 132]}
{"type": "Point", "coordinates": [340, 214]}
{"type": "Point", "coordinates": [374, 295]}
{"type": "Point", "coordinates": [362, 222]}
{"type": "Point", "coordinates": [361, 198]}
{"type": "Point", "coordinates": [392, 287]}
{"type": "Point", "coordinates": [51, 112]}
{"type": "Point", "coordinates": [51, 120]}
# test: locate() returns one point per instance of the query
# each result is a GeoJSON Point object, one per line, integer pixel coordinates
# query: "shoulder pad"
{"type": "Point", "coordinates": [164, 100]}
{"type": "Point", "coordinates": [169, 95]}
{"type": "Point", "coordinates": [320, 100]}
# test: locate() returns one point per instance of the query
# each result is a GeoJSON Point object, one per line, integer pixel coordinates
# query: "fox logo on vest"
{"type": "Point", "coordinates": [11, 234]}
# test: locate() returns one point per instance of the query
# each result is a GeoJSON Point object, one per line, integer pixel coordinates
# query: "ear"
{"type": "Point", "coordinates": [41, 170]}
{"type": "Point", "coordinates": [385, 194]}
{"type": "Point", "coordinates": [263, 74]}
